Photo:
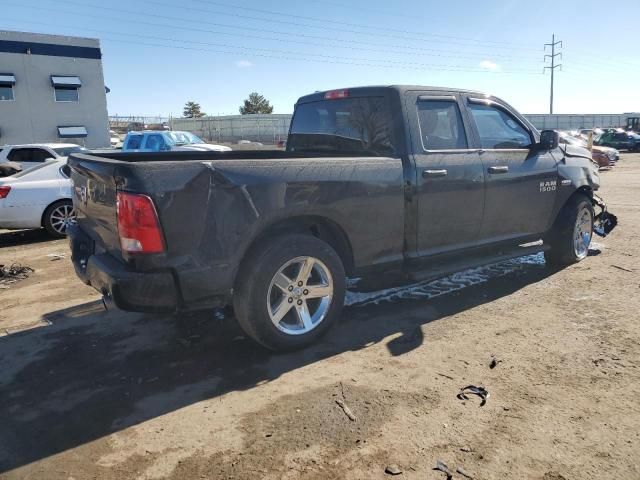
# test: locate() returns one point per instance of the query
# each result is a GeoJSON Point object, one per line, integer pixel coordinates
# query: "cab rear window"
{"type": "Point", "coordinates": [360, 125]}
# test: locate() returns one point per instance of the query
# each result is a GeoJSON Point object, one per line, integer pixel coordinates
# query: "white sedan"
{"type": "Point", "coordinates": [35, 154]}
{"type": "Point", "coordinates": [39, 197]}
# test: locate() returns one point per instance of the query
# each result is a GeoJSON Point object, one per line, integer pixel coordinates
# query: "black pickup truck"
{"type": "Point", "coordinates": [385, 184]}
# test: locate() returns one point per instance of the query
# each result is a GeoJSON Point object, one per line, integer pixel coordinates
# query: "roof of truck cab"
{"type": "Point", "coordinates": [376, 89]}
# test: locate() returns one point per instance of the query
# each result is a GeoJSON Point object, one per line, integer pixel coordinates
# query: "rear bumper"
{"type": "Point", "coordinates": [132, 291]}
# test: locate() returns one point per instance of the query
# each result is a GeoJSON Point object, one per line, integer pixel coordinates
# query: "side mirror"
{"type": "Point", "coordinates": [549, 140]}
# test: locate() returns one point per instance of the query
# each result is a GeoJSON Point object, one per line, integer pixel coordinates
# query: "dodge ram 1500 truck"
{"type": "Point", "coordinates": [389, 183]}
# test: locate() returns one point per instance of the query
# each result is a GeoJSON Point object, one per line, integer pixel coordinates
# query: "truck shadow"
{"type": "Point", "coordinates": [92, 373]}
{"type": "Point", "coordinates": [15, 238]}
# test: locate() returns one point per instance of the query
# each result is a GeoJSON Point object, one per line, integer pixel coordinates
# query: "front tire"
{"type": "Point", "coordinates": [571, 233]}
{"type": "Point", "coordinates": [289, 292]}
{"type": "Point", "coordinates": [57, 217]}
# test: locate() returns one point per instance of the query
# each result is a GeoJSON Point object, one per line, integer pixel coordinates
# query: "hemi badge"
{"type": "Point", "coordinates": [565, 182]}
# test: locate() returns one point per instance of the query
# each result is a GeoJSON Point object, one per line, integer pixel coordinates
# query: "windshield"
{"type": "Point", "coordinates": [66, 151]}
{"type": "Point", "coordinates": [184, 138]}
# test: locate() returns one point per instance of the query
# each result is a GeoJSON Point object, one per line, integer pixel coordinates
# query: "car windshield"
{"type": "Point", "coordinates": [184, 138]}
{"type": "Point", "coordinates": [66, 151]}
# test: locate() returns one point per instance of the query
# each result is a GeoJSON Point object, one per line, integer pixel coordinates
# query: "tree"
{"type": "Point", "coordinates": [192, 110]}
{"type": "Point", "coordinates": [256, 103]}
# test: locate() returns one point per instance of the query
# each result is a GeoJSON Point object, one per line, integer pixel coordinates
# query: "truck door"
{"type": "Point", "coordinates": [449, 173]}
{"type": "Point", "coordinates": [521, 181]}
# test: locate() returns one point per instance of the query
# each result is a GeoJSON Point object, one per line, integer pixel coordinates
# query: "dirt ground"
{"type": "Point", "coordinates": [91, 394]}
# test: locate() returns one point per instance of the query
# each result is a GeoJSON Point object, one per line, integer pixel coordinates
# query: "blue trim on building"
{"type": "Point", "coordinates": [49, 49]}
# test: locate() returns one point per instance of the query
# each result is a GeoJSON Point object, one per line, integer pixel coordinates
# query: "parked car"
{"type": "Point", "coordinates": [114, 139]}
{"type": "Point", "coordinates": [39, 197]}
{"type": "Point", "coordinates": [158, 141]}
{"type": "Point", "coordinates": [603, 156]}
{"type": "Point", "coordinates": [35, 154]}
{"type": "Point", "coordinates": [384, 184]}
{"type": "Point", "coordinates": [618, 139]}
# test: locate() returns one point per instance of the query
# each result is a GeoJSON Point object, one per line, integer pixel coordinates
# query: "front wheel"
{"type": "Point", "coordinates": [571, 233]}
{"type": "Point", "coordinates": [289, 291]}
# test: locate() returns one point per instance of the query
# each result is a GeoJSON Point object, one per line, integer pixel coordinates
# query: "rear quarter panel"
{"type": "Point", "coordinates": [213, 213]}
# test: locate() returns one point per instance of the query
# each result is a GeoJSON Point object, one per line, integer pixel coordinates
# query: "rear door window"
{"type": "Point", "coordinates": [498, 129]}
{"type": "Point", "coordinates": [134, 141]}
{"type": "Point", "coordinates": [155, 143]}
{"type": "Point", "coordinates": [441, 125]}
{"type": "Point", "coordinates": [359, 125]}
{"type": "Point", "coordinates": [29, 155]}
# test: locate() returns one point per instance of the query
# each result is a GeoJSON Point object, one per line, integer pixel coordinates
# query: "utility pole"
{"type": "Point", "coordinates": [554, 65]}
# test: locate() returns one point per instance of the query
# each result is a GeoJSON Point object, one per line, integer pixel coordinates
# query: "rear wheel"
{"type": "Point", "coordinates": [58, 216]}
{"type": "Point", "coordinates": [571, 234]}
{"type": "Point", "coordinates": [289, 292]}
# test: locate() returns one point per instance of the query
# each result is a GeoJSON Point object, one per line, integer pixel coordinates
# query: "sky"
{"type": "Point", "coordinates": [159, 54]}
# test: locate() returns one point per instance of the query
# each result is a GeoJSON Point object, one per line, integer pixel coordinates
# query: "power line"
{"type": "Point", "coordinates": [357, 25]}
{"type": "Point", "coordinates": [284, 22]}
{"type": "Point", "coordinates": [414, 51]}
{"type": "Point", "coordinates": [553, 64]}
{"type": "Point", "coordinates": [332, 60]}
{"type": "Point", "coordinates": [285, 52]}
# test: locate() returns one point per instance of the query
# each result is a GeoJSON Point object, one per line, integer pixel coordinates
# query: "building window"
{"type": "Point", "coordinates": [66, 89]}
{"type": "Point", "coordinates": [64, 94]}
{"type": "Point", "coordinates": [7, 81]}
{"type": "Point", "coordinates": [72, 132]}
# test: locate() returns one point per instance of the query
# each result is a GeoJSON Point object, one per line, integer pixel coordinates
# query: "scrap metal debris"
{"type": "Point", "coordinates": [13, 273]}
{"type": "Point", "coordinates": [347, 411]}
{"type": "Point", "coordinates": [473, 390]}
{"type": "Point", "coordinates": [393, 469]}
{"type": "Point", "coordinates": [624, 269]}
{"type": "Point", "coordinates": [56, 256]}
{"type": "Point", "coordinates": [442, 467]}
{"type": "Point", "coordinates": [461, 471]}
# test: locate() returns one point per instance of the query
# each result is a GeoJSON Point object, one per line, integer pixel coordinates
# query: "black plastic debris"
{"type": "Point", "coordinates": [473, 390]}
{"type": "Point", "coordinates": [604, 222]}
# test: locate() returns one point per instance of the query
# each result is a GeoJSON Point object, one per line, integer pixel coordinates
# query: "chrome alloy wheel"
{"type": "Point", "coordinates": [61, 217]}
{"type": "Point", "coordinates": [300, 295]}
{"type": "Point", "coordinates": [582, 233]}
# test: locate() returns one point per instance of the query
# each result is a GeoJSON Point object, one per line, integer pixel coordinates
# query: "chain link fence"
{"type": "Point", "coordinates": [268, 129]}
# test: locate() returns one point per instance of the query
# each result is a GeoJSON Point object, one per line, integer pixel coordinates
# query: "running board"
{"type": "Point", "coordinates": [434, 272]}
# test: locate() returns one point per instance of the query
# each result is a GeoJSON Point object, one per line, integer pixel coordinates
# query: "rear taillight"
{"type": "Point", "coordinates": [138, 224]}
{"type": "Point", "coordinates": [4, 191]}
{"type": "Point", "coordinates": [335, 94]}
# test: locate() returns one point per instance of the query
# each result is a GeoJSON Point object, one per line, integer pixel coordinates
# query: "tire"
{"type": "Point", "coordinates": [57, 217]}
{"type": "Point", "coordinates": [272, 292]}
{"type": "Point", "coordinates": [570, 236]}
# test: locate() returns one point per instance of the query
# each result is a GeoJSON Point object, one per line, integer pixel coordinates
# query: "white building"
{"type": "Point", "coordinates": [52, 90]}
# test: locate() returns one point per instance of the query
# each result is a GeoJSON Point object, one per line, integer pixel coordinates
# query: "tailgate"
{"type": "Point", "coordinates": [94, 198]}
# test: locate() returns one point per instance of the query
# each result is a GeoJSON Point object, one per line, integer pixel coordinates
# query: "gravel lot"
{"type": "Point", "coordinates": [91, 394]}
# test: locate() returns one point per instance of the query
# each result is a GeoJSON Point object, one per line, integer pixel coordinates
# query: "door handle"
{"type": "Point", "coordinates": [434, 173]}
{"type": "Point", "coordinates": [498, 169]}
